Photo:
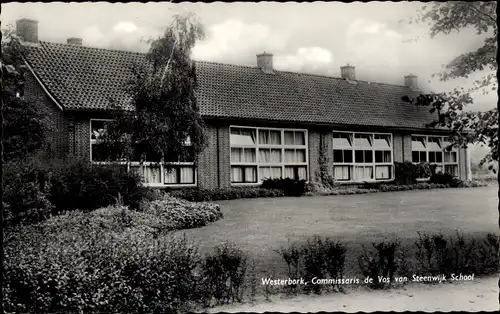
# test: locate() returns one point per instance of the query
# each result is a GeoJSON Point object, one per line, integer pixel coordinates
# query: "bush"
{"type": "Point", "coordinates": [38, 187]}
{"type": "Point", "coordinates": [318, 257]}
{"type": "Point", "coordinates": [382, 263]}
{"type": "Point", "coordinates": [436, 255]}
{"type": "Point", "coordinates": [489, 254]}
{"type": "Point", "coordinates": [407, 173]}
{"type": "Point", "coordinates": [472, 184]}
{"type": "Point", "coordinates": [77, 266]}
{"type": "Point", "coordinates": [291, 255]}
{"type": "Point", "coordinates": [180, 214]}
{"type": "Point", "coordinates": [290, 187]}
{"type": "Point", "coordinates": [447, 179]}
{"type": "Point", "coordinates": [84, 186]}
{"type": "Point", "coordinates": [223, 274]}
{"type": "Point", "coordinates": [26, 192]}
{"type": "Point", "coordinates": [204, 195]}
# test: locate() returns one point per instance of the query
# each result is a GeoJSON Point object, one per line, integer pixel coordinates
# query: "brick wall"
{"type": "Point", "coordinates": [397, 143]}
{"type": "Point", "coordinates": [57, 135]}
{"type": "Point", "coordinates": [207, 161]}
{"type": "Point", "coordinates": [317, 138]}
{"type": "Point", "coordinates": [314, 149]}
{"type": "Point", "coordinates": [81, 137]}
{"type": "Point", "coordinates": [407, 155]}
{"type": "Point", "coordinates": [224, 151]}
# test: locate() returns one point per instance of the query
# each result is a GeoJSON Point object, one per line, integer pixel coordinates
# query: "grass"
{"type": "Point", "coordinates": [261, 226]}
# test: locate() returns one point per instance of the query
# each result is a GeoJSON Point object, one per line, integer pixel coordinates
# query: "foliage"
{"type": "Point", "coordinates": [404, 172]}
{"type": "Point", "coordinates": [59, 267]}
{"type": "Point", "coordinates": [324, 176]}
{"type": "Point", "coordinates": [81, 185]}
{"type": "Point", "coordinates": [319, 257]}
{"type": "Point", "coordinates": [384, 262]}
{"type": "Point", "coordinates": [203, 195]}
{"type": "Point", "coordinates": [24, 195]}
{"type": "Point", "coordinates": [488, 255]}
{"type": "Point", "coordinates": [40, 186]}
{"type": "Point", "coordinates": [437, 255]}
{"type": "Point", "coordinates": [290, 187]}
{"type": "Point", "coordinates": [223, 274]}
{"type": "Point", "coordinates": [408, 173]}
{"type": "Point", "coordinates": [166, 113]}
{"type": "Point", "coordinates": [447, 179]}
{"type": "Point", "coordinates": [178, 214]}
{"type": "Point", "coordinates": [25, 127]}
{"type": "Point", "coordinates": [450, 108]}
{"type": "Point", "coordinates": [292, 255]}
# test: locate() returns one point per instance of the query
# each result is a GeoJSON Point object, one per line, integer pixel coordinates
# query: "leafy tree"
{"type": "Point", "coordinates": [164, 107]}
{"type": "Point", "coordinates": [450, 108]}
{"type": "Point", "coordinates": [24, 125]}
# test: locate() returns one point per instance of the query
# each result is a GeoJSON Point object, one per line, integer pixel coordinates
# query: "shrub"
{"type": "Point", "coordinates": [180, 214]}
{"type": "Point", "coordinates": [444, 178]}
{"type": "Point", "coordinates": [381, 263]}
{"type": "Point", "coordinates": [322, 258]}
{"type": "Point", "coordinates": [204, 195]}
{"type": "Point", "coordinates": [84, 186]}
{"type": "Point", "coordinates": [436, 255]}
{"type": "Point", "coordinates": [489, 254]}
{"type": "Point", "coordinates": [26, 196]}
{"type": "Point", "coordinates": [76, 266]}
{"type": "Point", "coordinates": [223, 274]}
{"type": "Point", "coordinates": [314, 260]}
{"type": "Point", "coordinates": [37, 187]}
{"type": "Point", "coordinates": [290, 187]}
{"type": "Point", "coordinates": [472, 184]}
{"type": "Point", "coordinates": [425, 170]}
{"type": "Point", "coordinates": [405, 172]}
{"type": "Point", "coordinates": [291, 255]}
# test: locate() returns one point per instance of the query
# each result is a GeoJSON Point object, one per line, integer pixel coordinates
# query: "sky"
{"type": "Point", "coordinates": [317, 37]}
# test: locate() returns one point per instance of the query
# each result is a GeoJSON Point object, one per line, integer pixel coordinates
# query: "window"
{"type": "Point", "coordinates": [171, 171]}
{"type": "Point", "coordinates": [419, 149]}
{"type": "Point", "coordinates": [98, 153]}
{"type": "Point", "coordinates": [362, 156]}
{"type": "Point", "coordinates": [260, 153]}
{"type": "Point", "coordinates": [434, 150]}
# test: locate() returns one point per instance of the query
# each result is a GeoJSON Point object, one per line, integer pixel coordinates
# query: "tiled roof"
{"type": "Point", "coordinates": [85, 78]}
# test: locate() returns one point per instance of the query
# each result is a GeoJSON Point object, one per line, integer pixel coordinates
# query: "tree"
{"type": "Point", "coordinates": [24, 125]}
{"type": "Point", "coordinates": [451, 108]}
{"type": "Point", "coordinates": [466, 126]}
{"type": "Point", "coordinates": [162, 92]}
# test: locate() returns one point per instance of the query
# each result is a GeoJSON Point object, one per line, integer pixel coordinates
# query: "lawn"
{"type": "Point", "coordinates": [260, 226]}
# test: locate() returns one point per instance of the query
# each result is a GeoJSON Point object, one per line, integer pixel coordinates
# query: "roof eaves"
{"type": "Point", "coordinates": [330, 125]}
{"type": "Point", "coordinates": [42, 85]}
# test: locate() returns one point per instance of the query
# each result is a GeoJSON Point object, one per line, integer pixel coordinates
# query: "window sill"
{"type": "Point", "coordinates": [363, 181]}
{"type": "Point", "coordinates": [161, 185]}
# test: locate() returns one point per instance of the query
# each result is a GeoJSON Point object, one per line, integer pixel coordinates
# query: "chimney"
{"type": "Point", "coordinates": [411, 81]}
{"type": "Point", "coordinates": [74, 41]}
{"type": "Point", "coordinates": [27, 29]}
{"type": "Point", "coordinates": [348, 72]}
{"type": "Point", "coordinates": [265, 62]}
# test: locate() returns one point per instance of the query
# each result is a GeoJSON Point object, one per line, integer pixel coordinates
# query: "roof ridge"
{"type": "Point", "coordinates": [221, 63]}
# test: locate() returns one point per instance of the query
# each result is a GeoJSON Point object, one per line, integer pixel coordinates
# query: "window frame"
{"type": "Point", "coordinates": [443, 163]}
{"type": "Point", "coordinates": [145, 164]}
{"type": "Point", "coordinates": [353, 164]}
{"type": "Point", "coordinates": [257, 146]}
